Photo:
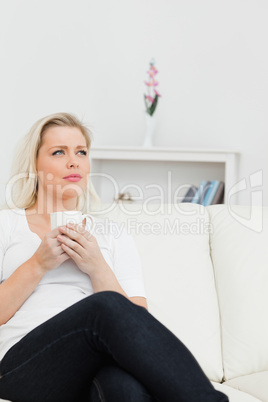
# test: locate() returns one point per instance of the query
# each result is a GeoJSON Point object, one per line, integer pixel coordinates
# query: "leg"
{"type": "Point", "coordinates": [113, 384]}
{"type": "Point", "coordinates": [54, 362]}
{"type": "Point", "coordinates": [145, 348]}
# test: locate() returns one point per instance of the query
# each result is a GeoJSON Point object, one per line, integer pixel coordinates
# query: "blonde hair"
{"type": "Point", "coordinates": [23, 185]}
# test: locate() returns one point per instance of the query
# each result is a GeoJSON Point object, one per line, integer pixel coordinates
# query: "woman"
{"type": "Point", "coordinates": [74, 319]}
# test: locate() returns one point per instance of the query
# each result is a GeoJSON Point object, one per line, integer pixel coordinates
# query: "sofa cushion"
{"type": "Point", "coordinates": [235, 395]}
{"type": "Point", "coordinates": [254, 384]}
{"type": "Point", "coordinates": [178, 275]}
{"type": "Point", "coordinates": [239, 250]}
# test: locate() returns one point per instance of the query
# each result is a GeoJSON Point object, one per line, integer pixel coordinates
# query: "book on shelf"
{"type": "Point", "coordinates": [219, 196]}
{"type": "Point", "coordinates": [201, 192]}
{"type": "Point", "coordinates": [189, 194]}
{"type": "Point", "coordinates": [207, 193]}
{"type": "Point", "coordinates": [204, 192]}
{"type": "Point", "coordinates": [215, 188]}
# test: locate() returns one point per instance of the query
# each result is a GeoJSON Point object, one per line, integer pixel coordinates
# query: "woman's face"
{"type": "Point", "coordinates": [62, 163]}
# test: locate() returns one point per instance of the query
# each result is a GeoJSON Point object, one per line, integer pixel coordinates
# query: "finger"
{"type": "Point", "coordinates": [72, 233]}
{"type": "Point", "coordinates": [71, 253]}
{"type": "Point", "coordinates": [80, 228]}
{"type": "Point", "coordinates": [55, 232]}
{"type": "Point", "coordinates": [60, 252]}
{"type": "Point", "coordinates": [84, 223]}
{"type": "Point", "coordinates": [64, 256]}
{"type": "Point", "coordinates": [74, 245]}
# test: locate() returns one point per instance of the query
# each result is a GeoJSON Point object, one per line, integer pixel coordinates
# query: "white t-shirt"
{"type": "Point", "coordinates": [65, 285]}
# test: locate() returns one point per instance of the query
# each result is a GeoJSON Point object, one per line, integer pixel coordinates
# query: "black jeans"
{"type": "Point", "coordinates": [103, 348]}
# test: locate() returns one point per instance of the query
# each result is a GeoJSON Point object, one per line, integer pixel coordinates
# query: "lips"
{"type": "Point", "coordinates": [73, 177]}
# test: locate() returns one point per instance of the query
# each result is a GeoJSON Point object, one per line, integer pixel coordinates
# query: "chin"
{"type": "Point", "coordinates": [71, 192]}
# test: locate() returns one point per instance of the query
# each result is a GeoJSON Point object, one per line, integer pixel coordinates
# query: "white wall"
{"type": "Point", "coordinates": [90, 57]}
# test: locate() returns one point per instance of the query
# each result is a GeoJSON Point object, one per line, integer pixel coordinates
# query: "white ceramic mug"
{"type": "Point", "coordinates": [61, 218]}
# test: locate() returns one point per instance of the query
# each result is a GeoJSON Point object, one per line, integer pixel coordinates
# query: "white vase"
{"type": "Point", "coordinates": [149, 130]}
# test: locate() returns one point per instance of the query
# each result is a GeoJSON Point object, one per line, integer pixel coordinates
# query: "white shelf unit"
{"type": "Point", "coordinates": [162, 174]}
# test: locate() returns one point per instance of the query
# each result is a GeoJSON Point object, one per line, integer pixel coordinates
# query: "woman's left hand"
{"type": "Point", "coordinates": [82, 247]}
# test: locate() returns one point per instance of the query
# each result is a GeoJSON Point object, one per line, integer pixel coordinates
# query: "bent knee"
{"type": "Point", "coordinates": [109, 300]}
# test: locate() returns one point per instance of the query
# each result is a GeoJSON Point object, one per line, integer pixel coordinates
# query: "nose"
{"type": "Point", "coordinates": [72, 163]}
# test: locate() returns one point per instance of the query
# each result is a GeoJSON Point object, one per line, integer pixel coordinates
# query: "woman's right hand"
{"type": "Point", "coordinates": [49, 254]}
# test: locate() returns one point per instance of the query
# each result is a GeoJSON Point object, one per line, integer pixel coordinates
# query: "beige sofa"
{"type": "Point", "coordinates": [206, 277]}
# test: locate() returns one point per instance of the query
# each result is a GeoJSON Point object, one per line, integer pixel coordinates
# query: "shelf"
{"type": "Point", "coordinates": [161, 154]}
{"type": "Point", "coordinates": [143, 166]}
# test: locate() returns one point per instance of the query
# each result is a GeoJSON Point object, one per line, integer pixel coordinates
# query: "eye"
{"type": "Point", "coordinates": [61, 150]}
{"type": "Point", "coordinates": [55, 153]}
{"type": "Point", "coordinates": [84, 152]}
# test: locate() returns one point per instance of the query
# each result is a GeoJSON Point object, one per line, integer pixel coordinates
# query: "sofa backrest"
{"type": "Point", "coordinates": [239, 251]}
{"type": "Point", "coordinates": [173, 242]}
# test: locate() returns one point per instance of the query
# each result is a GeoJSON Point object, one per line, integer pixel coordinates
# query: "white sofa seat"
{"type": "Point", "coordinates": [235, 395]}
{"type": "Point", "coordinates": [254, 384]}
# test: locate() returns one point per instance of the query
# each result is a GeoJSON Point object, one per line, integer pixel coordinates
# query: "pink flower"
{"type": "Point", "coordinates": [157, 93]}
{"type": "Point", "coordinates": [152, 72]}
{"type": "Point", "coordinates": [151, 98]}
{"type": "Point", "coordinates": [153, 69]}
